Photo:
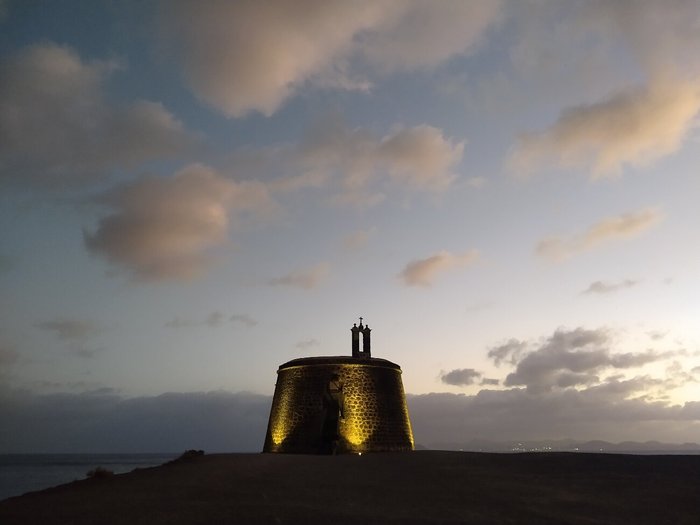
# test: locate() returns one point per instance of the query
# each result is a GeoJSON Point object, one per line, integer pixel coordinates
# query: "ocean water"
{"type": "Point", "coordinates": [21, 473]}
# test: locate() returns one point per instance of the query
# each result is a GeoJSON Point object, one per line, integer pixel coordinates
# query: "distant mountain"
{"type": "Point", "coordinates": [569, 445]}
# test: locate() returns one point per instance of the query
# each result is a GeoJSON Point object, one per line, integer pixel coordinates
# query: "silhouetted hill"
{"type": "Point", "coordinates": [427, 487]}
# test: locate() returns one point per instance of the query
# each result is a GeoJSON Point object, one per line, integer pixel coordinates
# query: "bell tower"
{"type": "Point", "coordinates": [366, 344]}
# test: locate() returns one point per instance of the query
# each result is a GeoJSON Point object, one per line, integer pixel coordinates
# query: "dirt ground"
{"type": "Point", "coordinates": [421, 487]}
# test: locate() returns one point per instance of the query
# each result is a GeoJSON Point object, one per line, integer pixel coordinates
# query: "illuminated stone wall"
{"type": "Point", "coordinates": [375, 412]}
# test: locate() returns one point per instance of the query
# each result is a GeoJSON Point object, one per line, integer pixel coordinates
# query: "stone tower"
{"type": "Point", "coordinates": [339, 404]}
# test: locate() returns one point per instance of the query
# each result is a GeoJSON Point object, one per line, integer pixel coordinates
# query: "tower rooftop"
{"type": "Point", "coordinates": [339, 360]}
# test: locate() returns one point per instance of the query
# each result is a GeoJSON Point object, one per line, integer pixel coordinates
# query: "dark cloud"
{"type": "Point", "coordinates": [178, 322]}
{"type": "Point", "coordinates": [8, 355]}
{"type": "Point", "coordinates": [508, 352]}
{"type": "Point", "coordinates": [489, 381]}
{"type": "Point", "coordinates": [102, 420]}
{"type": "Point", "coordinates": [657, 335]}
{"type": "Point", "coordinates": [572, 357]}
{"type": "Point", "coordinates": [602, 412]}
{"type": "Point", "coordinates": [75, 334]}
{"type": "Point", "coordinates": [244, 319]}
{"type": "Point", "coordinates": [601, 287]}
{"type": "Point", "coordinates": [460, 377]}
{"type": "Point", "coordinates": [214, 319]}
{"type": "Point", "coordinates": [75, 330]}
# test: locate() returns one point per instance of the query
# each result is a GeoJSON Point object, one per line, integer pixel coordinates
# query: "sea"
{"type": "Point", "coordinates": [21, 473]}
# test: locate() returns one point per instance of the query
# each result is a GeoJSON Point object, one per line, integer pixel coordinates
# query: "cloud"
{"type": "Point", "coordinates": [635, 127]}
{"type": "Point", "coordinates": [307, 343]}
{"type": "Point", "coordinates": [178, 322]}
{"type": "Point", "coordinates": [489, 381]}
{"type": "Point", "coordinates": [624, 226]}
{"type": "Point", "coordinates": [358, 239]}
{"type": "Point", "coordinates": [424, 272]}
{"type": "Point", "coordinates": [662, 37]}
{"type": "Point", "coordinates": [71, 330]}
{"type": "Point", "coordinates": [167, 228]}
{"type": "Point", "coordinates": [460, 377]}
{"type": "Point", "coordinates": [8, 356]}
{"type": "Point", "coordinates": [75, 333]}
{"type": "Point", "coordinates": [657, 335]}
{"type": "Point", "coordinates": [573, 357]}
{"type": "Point", "coordinates": [601, 287]}
{"type": "Point", "coordinates": [57, 129]}
{"type": "Point", "coordinates": [306, 279]}
{"type": "Point", "coordinates": [508, 352]}
{"type": "Point", "coordinates": [214, 319]}
{"type": "Point", "coordinates": [358, 166]}
{"type": "Point", "coordinates": [249, 56]}
{"type": "Point", "coordinates": [243, 319]}
{"type": "Point", "coordinates": [419, 158]}
{"type": "Point", "coordinates": [444, 420]}
{"type": "Point", "coordinates": [102, 420]}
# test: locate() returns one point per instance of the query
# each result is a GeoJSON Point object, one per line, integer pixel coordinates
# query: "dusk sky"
{"type": "Point", "coordinates": [192, 193]}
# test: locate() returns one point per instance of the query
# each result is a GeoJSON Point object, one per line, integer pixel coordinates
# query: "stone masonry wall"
{"type": "Point", "coordinates": [374, 409]}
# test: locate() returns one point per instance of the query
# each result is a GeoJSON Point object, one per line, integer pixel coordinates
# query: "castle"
{"type": "Point", "coordinates": [339, 404]}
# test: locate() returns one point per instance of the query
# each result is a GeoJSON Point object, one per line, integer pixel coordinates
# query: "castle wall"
{"type": "Point", "coordinates": [374, 406]}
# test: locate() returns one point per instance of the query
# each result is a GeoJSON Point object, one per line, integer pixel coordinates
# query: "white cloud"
{"type": "Point", "coordinates": [602, 287]}
{"type": "Point", "coordinates": [307, 278]}
{"type": "Point", "coordinates": [424, 272]}
{"type": "Point", "coordinates": [634, 128]}
{"type": "Point", "coordinates": [57, 129]}
{"type": "Point", "coordinates": [419, 158]}
{"type": "Point", "coordinates": [250, 56]}
{"type": "Point", "coordinates": [166, 228]}
{"type": "Point", "coordinates": [625, 226]}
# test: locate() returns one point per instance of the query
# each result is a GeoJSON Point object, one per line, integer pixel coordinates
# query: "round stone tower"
{"type": "Point", "coordinates": [343, 404]}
